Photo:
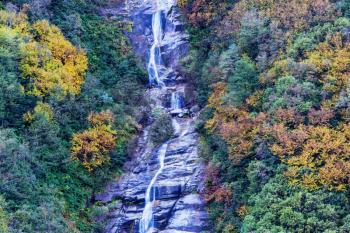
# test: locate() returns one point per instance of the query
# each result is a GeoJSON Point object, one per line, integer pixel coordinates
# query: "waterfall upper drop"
{"type": "Point", "coordinates": [155, 59]}
{"type": "Point", "coordinates": [160, 191]}
{"type": "Point", "coordinates": [146, 223]}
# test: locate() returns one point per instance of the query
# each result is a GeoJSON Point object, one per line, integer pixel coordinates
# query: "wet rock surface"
{"type": "Point", "coordinates": [179, 206]}
{"type": "Point", "coordinates": [139, 14]}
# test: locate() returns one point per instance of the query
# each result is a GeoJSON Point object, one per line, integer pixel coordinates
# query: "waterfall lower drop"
{"type": "Point", "coordinates": [155, 53]}
{"type": "Point", "coordinates": [160, 190]}
{"type": "Point", "coordinates": [147, 222]}
{"type": "Point", "coordinates": [176, 103]}
{"type": "Point", "coordinates": [176, 126]}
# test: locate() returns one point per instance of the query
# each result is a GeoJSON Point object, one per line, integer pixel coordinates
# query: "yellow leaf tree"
{"type": "Point", "coordinates": [332, 63]}
{"type": "Point", "coordinates": [93, 146]}
{"type": "Point", "coordinates": [50, 64]}
{"type": "Point", "coordinates": [41, 109]}
{"type": "Point", "coordinates": [318, 156]}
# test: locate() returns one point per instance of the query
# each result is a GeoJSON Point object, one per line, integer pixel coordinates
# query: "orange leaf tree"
{"type": "Point", "coordinates": [236, 126]}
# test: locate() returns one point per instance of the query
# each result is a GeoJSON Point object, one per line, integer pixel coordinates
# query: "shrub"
{"type": "Point", "coordinates": [162, 129]}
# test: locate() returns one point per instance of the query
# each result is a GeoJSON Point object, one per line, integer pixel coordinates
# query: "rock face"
{"type": "Point", "coordinates": [177, 204]}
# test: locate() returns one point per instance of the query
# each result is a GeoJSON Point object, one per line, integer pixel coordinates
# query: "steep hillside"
{"type": "Point", "coordinates": [157, 115]}
{"type": "Point", "coordinates": [71, 98]}
{"type": "Point", "coordinates": [275, 124]}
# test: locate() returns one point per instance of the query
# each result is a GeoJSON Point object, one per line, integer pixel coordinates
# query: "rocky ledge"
{"type": "Point", "coordinates": [179, 206]}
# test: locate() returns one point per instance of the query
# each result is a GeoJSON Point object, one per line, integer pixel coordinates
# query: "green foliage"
{"type": "Point", "coordinates": [345, 7]}
{"type": "Point", "coordinates": [193, 64]}
{"type": "Point", "coordinates": [13, 102]}
{"type": "Point", "coordinates": [43, 137]}
{"type": "Point", "coordinates": [258, 173]}
{"type": "Point", "coordinates": [17, 176]}
{"type": "Point", "coordinates": [252, 27]}
{"type": "Point", "coordinates": [285, 76]}
{"type": "Point", "coordinates": [162, 129]}
{"type": "Point", "coordinates": [3, 216]}
{"type": "Point", "coordinates": [308, 40]}
{"type": "Point", "coordinates": [46, 124]}
{"type": "Point", "coordinates": [281, 208]}
{"type": "Point", "coordinates": [243, 81]}
{"type": "Point", "coordinates": [227, 60]}
{"type": "Point", "coordinates": [110, 52]}
{"type": "Point", "coordinates": [291, 93]}
{"type": "Point", "coordinates": [20, 174]}
{"type": "Point", "coordinates": [195, 68]}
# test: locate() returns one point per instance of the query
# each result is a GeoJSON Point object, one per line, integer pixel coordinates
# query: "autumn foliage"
{"type": "Point", "coordinates": [317, 155]}
{"type": "Point", "coordinates": [277, 110]}
{"type": "Point", "coordinates": [332, 63]}
{"type": "Point", "coordinates": [215, 192]}
{"type": "Point", "coordinates": [93, 146]}
{"type": "Point", "coordinates": [51, 64]}
{"type": "Point", "coordinates": [51, 162]}
{"type": "Point", "coordinates": [234, 125]}
{"type": "Point", "coordinates": [289, 16]}
{"type": "Point", "coordinates": [202, 12]}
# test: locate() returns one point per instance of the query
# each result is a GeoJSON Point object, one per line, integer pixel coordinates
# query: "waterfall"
{"type": "Point", "coordinates": [176, 126]}
{"type": "Point", "coordinates": [155, 53]}
{"type": "Point", "coordinates": [170, 174]}
{"type": "Point", "coordinates": [147, 222]}
{"type": "Point", "coordinates": [176, 100]}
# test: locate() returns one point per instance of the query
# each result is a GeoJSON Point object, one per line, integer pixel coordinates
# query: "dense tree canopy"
{"type": "Point", "coordinates": [271, 77]}
{"type": "Point", "coordinates": [50, 63]}
{"type": "Point", "coordinates": [279, 78]}
{"type": "Point", "coordinates": [278, 208]}
{"type": "Point", "coordinates": [92, 147]}
{"type": "Point", "coordinates": [60, 63]}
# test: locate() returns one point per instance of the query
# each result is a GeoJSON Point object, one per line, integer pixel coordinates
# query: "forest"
{"type": "Point", "coordinates": [71, 100]}
{"type": "Point", "coordinates": [275, 122]}
{"type": "Point", "coordinates": [271, 78]}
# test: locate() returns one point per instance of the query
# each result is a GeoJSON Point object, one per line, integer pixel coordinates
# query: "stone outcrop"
{"type": "Point", "coordinates": [179, 206]}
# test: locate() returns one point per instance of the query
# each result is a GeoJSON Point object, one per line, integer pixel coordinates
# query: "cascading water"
{"type": "Point", "coordinates": [147, 222]}
{"type": "Point", "coordinates": [155, 53]}
{"type": "Point", "coordinates": [176, 100]}
{"type": "Point", "coordinates": [176, 104]}
{"type": "Point", "coordinates": [171, 196]}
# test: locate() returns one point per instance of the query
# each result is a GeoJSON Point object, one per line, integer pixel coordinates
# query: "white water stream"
{"type": "Point", "coordinates": [155, 54]}
{"type": "Point", "coordinates": [147, 222]}
{"type": "Point", "coordinates": [176, 100]}
{"type": "Point", "coordinates": [168, 175]}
